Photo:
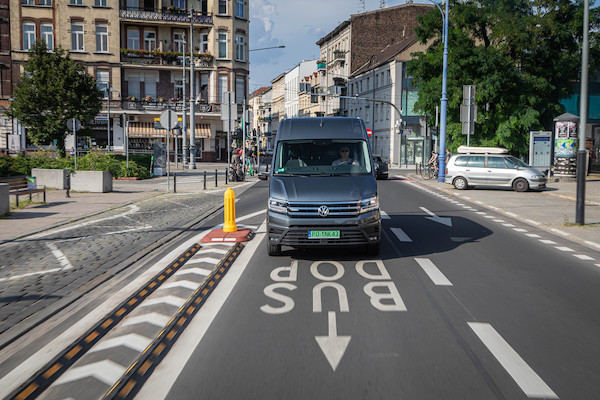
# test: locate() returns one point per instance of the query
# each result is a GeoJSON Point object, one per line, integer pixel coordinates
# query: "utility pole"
{"type": "Point", "coordinates": [192, 164]}
{"type": "Point", "coordinates": [183, 117]}
{"type": "Point", "coordinates": [583, 106]}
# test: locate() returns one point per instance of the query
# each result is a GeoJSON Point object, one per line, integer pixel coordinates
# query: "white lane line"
{"type": "Point", "coordinates": [481, 213]}
{"type": "Point", "coordinates": [546, 241]}
{"type": "Point", "coordinates": [60, 256]}
{"type": "Point", "coordinates": [533, 235]}
{"type": "Point", "coordinates": [489, 216]}
{"type": "Point", "coordinates": [403, 237]}
{"type": "Point", "coordinates": [597, 265]}
{"type": "Point", "coordinates": [517, 368]}
{"type": "Point", "coordinates": [152, 318]}
{"type": "Point", "coordinates": [433, 272]}
{"type": "Point", "coordinates": [132, 341]}
{"type": "Point", "coordinates": [583, 257]}
{"type": "Point", "coordinates": [384, 215]}
{"type": "Point", "coordinates": [132, 210]}
{"type": "Point", "coordinates": [12, 278]}
{"type": "Point", "coordinates": [105, 371]}
{"type": "Point", "coordinates": [563, 248]}
{"type": "Point", "coordinates": [508, 225]}
{"type": "Point", "coordinates": [519, 230]}
{"type": "Point", "coordinates": [499, 220]}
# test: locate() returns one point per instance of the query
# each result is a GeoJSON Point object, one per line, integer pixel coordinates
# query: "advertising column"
{"type": "Point", "coordinates": [565, 148]}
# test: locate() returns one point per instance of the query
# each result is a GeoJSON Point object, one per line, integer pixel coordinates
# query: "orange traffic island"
{"type": "Point", "coordinates": [218, 235]}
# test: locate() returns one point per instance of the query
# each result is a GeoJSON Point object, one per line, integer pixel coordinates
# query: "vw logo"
{"type": "Point", "coordinates": [323, 211]}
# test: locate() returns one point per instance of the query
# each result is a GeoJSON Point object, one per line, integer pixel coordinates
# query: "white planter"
{"type": "Point", "coordinates": [91, 181]}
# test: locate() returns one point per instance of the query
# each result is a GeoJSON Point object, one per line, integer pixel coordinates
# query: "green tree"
{"type": "Point", "coordinates": [53, 89]}
{"type": "Point", "coordinates": [522, 55]}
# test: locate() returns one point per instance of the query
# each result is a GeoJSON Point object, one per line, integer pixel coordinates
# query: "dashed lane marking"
{"type": "Point", "coordinates": [562, 248]}
{"type": "Point", "coordinates": [533, 235]}
{"type": "Point", "coordinates": [401, 235]}
{"type": "Point", "coordinates": [583, 257]}
{"type": "Point", "coordinates": [546, 241]}
{"type": "Point", "coordinates": [433, 272]}
{"type": "Point", "coordinates": [385, 215]}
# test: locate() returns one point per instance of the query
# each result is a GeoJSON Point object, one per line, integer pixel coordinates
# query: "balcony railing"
{"type": "Point", "coordinates": [177, 105]}
{"type": "Point", "coordinates": [339, 55]}
{"type": "Point", "coordinates": [165, 15]}
{"type": "Point", "coordinates": [141, 57]}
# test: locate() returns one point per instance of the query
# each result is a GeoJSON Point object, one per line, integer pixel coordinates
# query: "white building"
{"type": "Point", "coordinates": [292, 86]}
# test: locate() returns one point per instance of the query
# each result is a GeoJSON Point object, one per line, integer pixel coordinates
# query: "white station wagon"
{"type": "Point", "coordinates": [492, 166]}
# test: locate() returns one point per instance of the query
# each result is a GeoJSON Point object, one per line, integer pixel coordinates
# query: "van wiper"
{"type": "Point", "coordinates": [287, 174]}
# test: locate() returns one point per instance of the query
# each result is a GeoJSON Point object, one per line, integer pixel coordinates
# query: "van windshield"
{"type": "Point", "coordinates": [322, 157]}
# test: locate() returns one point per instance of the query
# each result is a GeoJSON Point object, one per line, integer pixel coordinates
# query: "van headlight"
{"type": "Point", "coordinates": [370, 204]}
{"type": "Point", "coordinates": [278, 206]}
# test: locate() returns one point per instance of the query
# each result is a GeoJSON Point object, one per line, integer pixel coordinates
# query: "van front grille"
{"type": "Point", "coordinates": [311, 210]}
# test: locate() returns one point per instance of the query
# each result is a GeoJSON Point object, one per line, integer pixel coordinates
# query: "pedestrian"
{"type": "Point", "coordinates": [72, 151]}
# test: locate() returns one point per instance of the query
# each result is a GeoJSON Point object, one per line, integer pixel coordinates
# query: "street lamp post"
{"type": "Point", "coordinates": [192, 163]}
{"type": "Point", "coordinates": [444, 99]}
{"type": "Point", "coordinates": [583, 105]}
{"type": "Point", "coordinates": [108, 91]}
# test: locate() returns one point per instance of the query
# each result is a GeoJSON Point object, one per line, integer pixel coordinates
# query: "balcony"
{"type": "Point", "coordinates": [162, 104]}
{"type": "Point", "coordinates": [339, 55]}
{"type": "Point", "coordinates": [166, 15]}
{"type": "Point", "coordinates": [163, 58]}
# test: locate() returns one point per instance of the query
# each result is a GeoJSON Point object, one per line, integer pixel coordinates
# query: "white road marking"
{"type": "Point", "coordinates": [499, 220]}
{"type": "Point", "coordinates": [519, 230]}
{"type": "Point", "coordinates": [481, 213]}
{"type": "Point", "coordinates": [533, 235]}
{"type": "Point", "coordinates": [12, 278]}
{"type": "Point", "coordinates": [60, 256]}
{"type": "Point", "coordinates": [195, 270]}
{"type": "Point", "coordinates": [403, 237]}
{"type": "Point", "coordinates": [509, 225]}
{"type": "Point", "coordinates": [489, 216]}
{"type": "Point", "coordinates": [563, 248]}
{"type": "Point", "coordinates": [384, 215]}
{"type": "Point", "coordinates": [208, 260]}
{"type": "Point", "coordinates": [332, 345]}
{"type": "Point", "coordinates": [153, 318]}
{"type": "Point", "coordinates": [132, 340]}
{"type": "Point", "coordinates": [180, 284]}
{"type": "Point", "coordinates": [546, 241]}
{"type": "Point", "coordinates": [219, 251]}
{"type": "Point", "coordinates": [531, 384]}
{"type": "Point", "coordinates": [583, 257]}
{"type": "Point", "coordinates": [441, 220]}
{"type": "Point", "coordinates": [170, 300]}
{"type": "Point", "coordinates": [433, 272]}
{"type": "Point", "coordinates": [105, 371]}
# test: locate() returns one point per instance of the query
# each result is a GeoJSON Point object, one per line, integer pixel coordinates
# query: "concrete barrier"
{"type": "Point", "coordinates": [4, 199]}
{"type": "Point", "coordinates": [91, 181]}
{"type": "Point", "coordinates": [51, 178]}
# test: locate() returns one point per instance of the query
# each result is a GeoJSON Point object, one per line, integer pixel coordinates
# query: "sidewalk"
{"type": "Point", "coordinates": [60, 209]}
{"type": "Point", "coordinates": [552, 209]}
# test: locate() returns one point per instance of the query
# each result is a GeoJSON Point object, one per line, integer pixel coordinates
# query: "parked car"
{"type": "Point", "coordinates": [492, 166]}
{"type": "Point", "coordinates": [381, 168]}
{"type": "Point", "coordinates": [264, 166]}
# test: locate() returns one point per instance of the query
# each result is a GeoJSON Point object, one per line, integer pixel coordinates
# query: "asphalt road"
{"type": "Point", "coordinates": [462, 304]}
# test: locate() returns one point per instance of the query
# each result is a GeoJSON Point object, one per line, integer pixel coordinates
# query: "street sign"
{"type": "Point", "coordinates": [468, 111]}
{"type": "Point", "coordinates": [369, 132]}
{"type": "Point", "coordinates": [228, 98]}
{"type": "Point", "coordinates": [74, 124]}
{"type": "Point", "coordinates": [168, 119]}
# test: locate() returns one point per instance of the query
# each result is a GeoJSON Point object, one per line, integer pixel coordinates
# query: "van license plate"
{"type": "Point", "coordinates": [323, 234]}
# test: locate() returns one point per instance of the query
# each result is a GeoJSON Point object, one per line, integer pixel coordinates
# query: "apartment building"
{"type": "Point", "coordinates": [260, 103]}
{"type": "Point", "coordinates": [292, 86]}
{"type": "Point", "coordinates": [136, 49]}
{"type": "Point", "coordinates": [278, 104]}
{"type": "Point", "coordinates": [6, 125]}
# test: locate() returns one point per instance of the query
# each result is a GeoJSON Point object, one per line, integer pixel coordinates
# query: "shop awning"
{"type": "Point", "coordinates": [146, 130]}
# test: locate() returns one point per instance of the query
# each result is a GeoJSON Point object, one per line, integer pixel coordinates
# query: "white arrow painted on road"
{"type": "Point", "coordinates": [150, 318]}
{"type": "Point", "coordinates": [196, 271]}
{"type": "Point", "coordinates": [333, 346]}
{"type": "Point", "coordinates": [133, 341]}
{"type": "Point", "coordinates": [442, 220]}
{"type": "Point", "coordinates": [180, 284]}
{"type": "Point", "coordinates": [208, 260]}
{"type": "Point", "coordinates": [105, 371]}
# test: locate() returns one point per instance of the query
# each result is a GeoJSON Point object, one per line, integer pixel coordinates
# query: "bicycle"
{"type": "Point", "coordinates": [429, 171]}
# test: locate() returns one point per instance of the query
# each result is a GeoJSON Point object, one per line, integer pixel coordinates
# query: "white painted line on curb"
{"type": "Point", "coordinates": [517, 368]}
{"type": "Point", "coordinates": [433, 272]}
{"type": "Point", "coordinates": [403, 237]}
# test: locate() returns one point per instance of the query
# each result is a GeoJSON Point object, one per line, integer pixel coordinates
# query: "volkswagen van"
{"type": "Point", "coordinates": [322, 187]}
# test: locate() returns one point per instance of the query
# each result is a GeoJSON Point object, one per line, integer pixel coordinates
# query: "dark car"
{"type": "Point", "coordinates": [381, 168]}
{"type": "Point", "coordinates": [265, 165]}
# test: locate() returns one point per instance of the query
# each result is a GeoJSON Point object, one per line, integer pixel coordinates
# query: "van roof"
{"type": "Point", "coordinates": [321, 128]}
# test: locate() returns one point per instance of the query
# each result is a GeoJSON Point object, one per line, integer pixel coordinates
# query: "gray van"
{"type": "Point", "coordinates": [322, 189]}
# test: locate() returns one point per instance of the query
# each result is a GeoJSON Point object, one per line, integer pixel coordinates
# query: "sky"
{"type": "Point", "coordinates": [297, 25]}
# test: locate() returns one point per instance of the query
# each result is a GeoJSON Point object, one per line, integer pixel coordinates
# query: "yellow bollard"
{"type": "Point", "coordinates": [229, 225]}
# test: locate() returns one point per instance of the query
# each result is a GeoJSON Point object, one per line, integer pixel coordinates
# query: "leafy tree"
{"type": "Point", "coordinates": [54, 89]}
{"type": "Point", "coordinates": [522, 55]}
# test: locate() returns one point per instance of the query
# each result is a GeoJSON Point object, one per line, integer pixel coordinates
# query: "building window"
{"type": "Point", "coordinates": [240, 89]}
{"type": "Point", "coordinates": [45, 2]}
{"type": "Point", "coordinates": [133, 4]}
{"type": "Point", "coordinates": [179, 88]}
{"type": "Point", "coordinates": [222, 6]}
{"type": "Point", "coordinates": [76, 37]}
{"type": "Point", "coordinates": [239, 8]}
{"type": "Point", "coordinates": [102, 80]}
{"type": "Point", "coordinates": [76, 2]}
{"type": "Point", "coordinates": [102, 38]}
{"type": "Point", "coordinates": [149, 40]}
{"type": "Point", "coordinates": [240, 48]}
{"type": "Point", "coordinates": [376, 117]}
{"type": "Point", "coordinates": [47, 35]}
{"type": "Point", "coordinates": [179, 39]}
{"type": "Point", "coordinates": [222, 45]}
{"type": "Point", "coordinates": [133, 39]}
{"type": "Point", "coordinates": [28, 35]}
{"type": "Point", "coordinates": [204, 42]}
{"type": "Point", "coordinates": [179, 4]}
{"type": "Point", "coordinates": [222, 87]}
{"type": "Point", "coordinates": [28, 2]}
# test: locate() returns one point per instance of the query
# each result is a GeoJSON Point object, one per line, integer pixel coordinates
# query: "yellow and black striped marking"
{"type": "Point", "coordinates": [142, 368]}
{"type": "Point", "coordinates": [35, 385]}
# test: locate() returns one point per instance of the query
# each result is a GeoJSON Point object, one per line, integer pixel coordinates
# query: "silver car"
{"type": "Point", "coordinates": [466, 170]}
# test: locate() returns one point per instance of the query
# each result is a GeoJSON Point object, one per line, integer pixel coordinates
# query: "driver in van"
{"type": "Point", "coordinates": [344, 159]}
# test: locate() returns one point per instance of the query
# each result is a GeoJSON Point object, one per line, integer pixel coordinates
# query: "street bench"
{"type": "Point", "coordinates": [18, 187]}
